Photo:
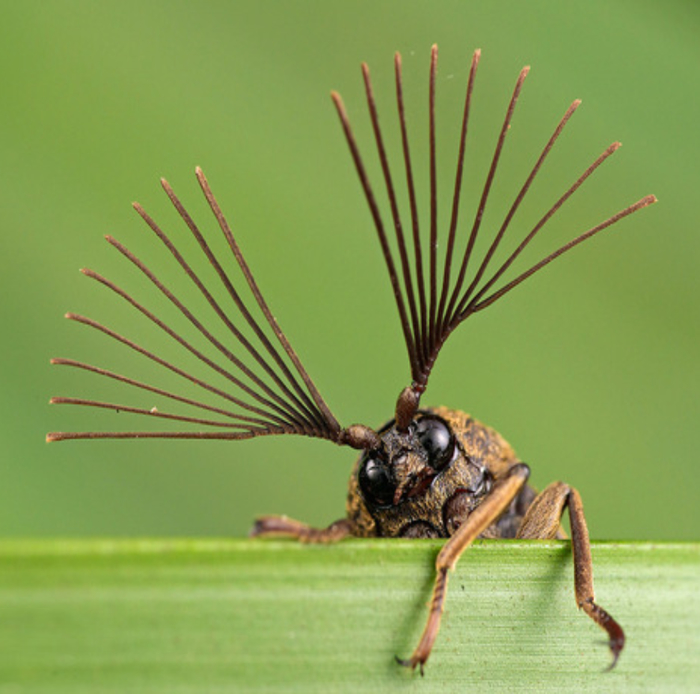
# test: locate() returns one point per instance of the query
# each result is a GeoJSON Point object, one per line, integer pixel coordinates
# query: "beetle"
{"type": "Point", "coordinates": [429, 472]}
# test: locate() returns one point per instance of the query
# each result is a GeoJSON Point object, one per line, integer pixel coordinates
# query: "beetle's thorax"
{"type": "Point", "coordinates": [397, 492]}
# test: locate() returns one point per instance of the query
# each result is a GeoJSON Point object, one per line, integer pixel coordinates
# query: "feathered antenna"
{"type": "Point", "coordinates": [290, 404]}
{"type": "Point", "coordinates": [437, 311]}
{"type": "Point", "coordinates": [274, 394]}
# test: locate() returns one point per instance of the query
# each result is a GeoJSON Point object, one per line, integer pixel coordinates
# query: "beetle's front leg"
{"type": "Point", "coordinates": [281, 526]}
{"type": "Point", "coordinates": [541, 523]}
{"type": "Point", "coordinates": [477, 521]}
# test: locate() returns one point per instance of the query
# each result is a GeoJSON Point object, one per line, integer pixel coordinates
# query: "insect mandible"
{"type": "Point", "coordinates": [429, 472]}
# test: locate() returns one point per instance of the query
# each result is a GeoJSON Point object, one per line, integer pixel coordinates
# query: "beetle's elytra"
{"type": "Point", "coordinates": [429, 472]}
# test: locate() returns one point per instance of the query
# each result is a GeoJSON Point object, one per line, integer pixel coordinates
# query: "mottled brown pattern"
{"type": "Point", "coordinates": [483, 457]}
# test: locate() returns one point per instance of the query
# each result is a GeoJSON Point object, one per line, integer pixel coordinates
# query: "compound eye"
{"type": "Point", "coordinates": [376, 482]}
{"type": "Point", "coordinates": [437, 441]}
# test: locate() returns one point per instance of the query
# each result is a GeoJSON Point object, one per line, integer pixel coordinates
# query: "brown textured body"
{"type": "Point", "coordinates": [482, 458]}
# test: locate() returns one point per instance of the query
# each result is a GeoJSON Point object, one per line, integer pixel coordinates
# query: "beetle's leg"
{"type": "Point", "coordinates": [477, 521]}
{"type": "Point", "coordinates": [542, 521]}
{"type": "Point", "coordinates": [281, 526]}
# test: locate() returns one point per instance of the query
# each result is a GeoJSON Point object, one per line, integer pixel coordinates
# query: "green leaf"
{"type": "Point", "coordinates": [255, 616]}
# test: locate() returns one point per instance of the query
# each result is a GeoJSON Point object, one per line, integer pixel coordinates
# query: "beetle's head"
{"type": "Point", "coordinates": [407, 462]}
{"type": "Point", "coordinates": [422, 478]}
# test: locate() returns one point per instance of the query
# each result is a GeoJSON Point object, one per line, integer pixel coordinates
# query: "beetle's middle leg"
{"type": "Point", "coordinates": [476, 522]}
{"type": "Point", "coordinates": [281, 526]}
{"type": "Point", "coordinates": [541, 522]}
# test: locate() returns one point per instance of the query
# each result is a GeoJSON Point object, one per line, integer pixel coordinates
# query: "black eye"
{"type": "Point", "coordinates": [437, 441]}
{"type": "Point", "coordinates": [376, 481]}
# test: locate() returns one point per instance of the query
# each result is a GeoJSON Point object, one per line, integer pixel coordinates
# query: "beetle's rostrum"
{"type": "Point", "coordinates": [431, 472]}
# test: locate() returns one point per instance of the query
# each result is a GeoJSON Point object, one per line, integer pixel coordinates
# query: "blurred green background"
{"type": "Point", "coordinates": [590, 369]}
